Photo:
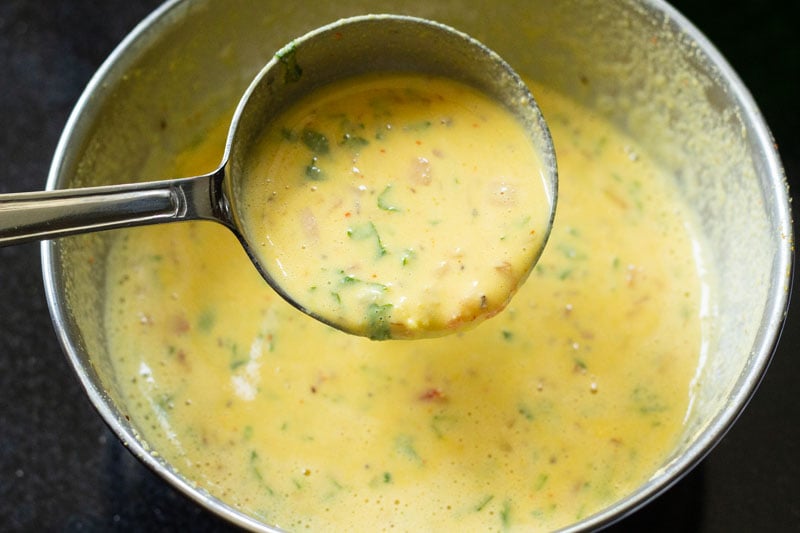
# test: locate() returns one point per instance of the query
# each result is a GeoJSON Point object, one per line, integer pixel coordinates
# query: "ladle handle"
{"type": "Point", "coordinates": [36, 216]}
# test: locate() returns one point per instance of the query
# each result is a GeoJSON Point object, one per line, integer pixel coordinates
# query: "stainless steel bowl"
{"type": "Point", "coordinates": [639, 63]}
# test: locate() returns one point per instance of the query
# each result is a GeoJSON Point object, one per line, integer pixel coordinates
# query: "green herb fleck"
{"type": "Point", "coordinates": [405, 445]}
{"type": "Point", "coordinates": [349, 280]}
{"type": "Point", "coordinates": [254, 460]}
{"type": "Point", "coordinates": [525, 411]}
{"type": "Point", "coordinates": [570, 252]}
{"type": "Point", "coordinates": [361, 232]}
{"type": "Point", "coordinates": [508, 335]}
{"type": "Point", "coordinates": [505, 514]}
{"type": "Point", "coordinates": [378, 325]}
{"type": "Point", "coordinates": [387, 477]}
{"type": "Point", "coordinates": [288, 135]}
{"type": "Point", "coordinates": [316, 141]}
{"type": "Point", "coordinates": [647, 402]}
{"type": "Point", "coordinates": [484, 502]}
{"type": "Point", "coordinates": [206, 320]}
{"type": "Point", "coordinates": [441, 422]}
{"type": "Point", "coordinates": [366, 231]}
{"type": "Point", "coordinates": [418, 126]}
{"type": "Point", "coordinates": [237, 363]}
{"type": "Point", "coordinates": [408, 256]}
{"type": "Point", "coordinates": [236, 359]}
{"type": "Point", "coordinates": [334, 488]}
{"type": "Point", "coordinates": [383, 202]}
{"type": "Point", "coordinates": [313, 172]}
{"type": "Point", "coordinates": [354, 142]}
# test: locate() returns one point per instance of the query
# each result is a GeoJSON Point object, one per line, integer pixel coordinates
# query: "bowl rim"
{"type": "Point", "coordinates": [765, 340]}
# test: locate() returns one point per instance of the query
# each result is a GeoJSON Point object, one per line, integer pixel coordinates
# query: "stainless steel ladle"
{"type": "Point", "coordinates": [349, 47]}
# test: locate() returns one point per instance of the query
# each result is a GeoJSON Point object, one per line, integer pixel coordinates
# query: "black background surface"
{"type": "Point", "coordinates": [61, 469]}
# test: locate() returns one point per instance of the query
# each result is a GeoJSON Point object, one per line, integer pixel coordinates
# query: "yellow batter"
{"type": "Point", "coordinates": [558, 406]}
{"type": "Point", "coordinates": [397, 206]}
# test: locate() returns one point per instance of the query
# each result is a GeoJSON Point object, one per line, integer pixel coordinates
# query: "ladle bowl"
{"type": "Point", "coordinates": [346, 48]}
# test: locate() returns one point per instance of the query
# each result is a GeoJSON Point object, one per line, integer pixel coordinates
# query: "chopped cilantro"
{"type": "Point", "coordinates": [383, 202]}
{"type": "Point", "coordinates": [484, 502]}
{"type": "Point", "coordinates": [378, 325]}
{"type": "Point", "coordinates": [313, 172]}
{"type": "Point", "coordinates": [367, 231]}
{"type": "Point", "coordinates": [353, 141]}
{"type": "Point", "coordinates": [317, 142]}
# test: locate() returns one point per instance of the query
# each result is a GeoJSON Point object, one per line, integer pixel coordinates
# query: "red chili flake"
{"type": "Point", "coordinates": [348, 214]}
{"type": "Point", "coordinates": [180, 325]}
{"type": "Point", "coordinates": [419, 143]}
{"type": "Point", "coordinates": [183, 360]}
{"type": "Point", "coordinates": [337, 35]}
{"type": "Point", "coordinates": [434, 394]}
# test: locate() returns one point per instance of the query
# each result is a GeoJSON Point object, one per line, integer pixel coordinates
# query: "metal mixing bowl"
{"type": "Point", "coordinates": [639, 63]}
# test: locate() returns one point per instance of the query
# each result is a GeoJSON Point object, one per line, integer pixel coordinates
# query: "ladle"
{"type": "Point", "coordinates": [349, 47]}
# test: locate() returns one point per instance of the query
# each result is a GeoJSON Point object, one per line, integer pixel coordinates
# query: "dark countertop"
{"type": "Point", "coordinates": [60, 467]}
